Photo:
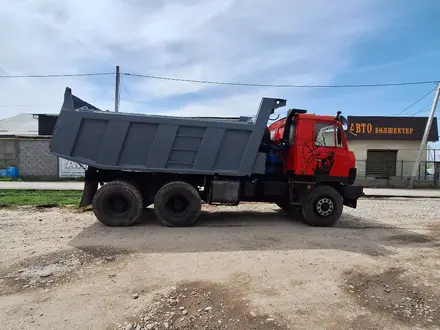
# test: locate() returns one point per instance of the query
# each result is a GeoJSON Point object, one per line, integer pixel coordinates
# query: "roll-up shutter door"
{"type": "Point", "coordinates": [381, 163]}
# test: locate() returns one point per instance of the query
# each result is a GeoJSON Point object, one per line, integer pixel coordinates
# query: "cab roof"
{"type": "Point", "coordinates": [312, 116]}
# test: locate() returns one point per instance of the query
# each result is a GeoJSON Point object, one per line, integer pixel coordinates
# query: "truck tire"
{"type": "Point", "coordinates": [323, 207]}
{"type": "Point", "coordinates": [177, 204]}
{"type": "Point", "coordinates": [118, 204]}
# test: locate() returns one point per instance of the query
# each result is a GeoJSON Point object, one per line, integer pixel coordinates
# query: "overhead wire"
{"type": "Point", "coordinates": [413, 104]}
{"type": "Point", "coordinates": [425, 109]}
{"type": "Point", "coordinates": [25, 105]}
{"type": "Point", "coordinates": [213, 82]}
{"type": "Point", "coordinates": [57, 75]}
{"type": "Point", "coordinates": [129, 95]}
{"type": "Point", "coordinates": [220, 82]}
{"type": "Point", "coordinates": [276, 85]}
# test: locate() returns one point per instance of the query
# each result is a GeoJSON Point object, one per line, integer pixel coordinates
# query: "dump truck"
{"type": "Point", "coordinates": [301, 162]}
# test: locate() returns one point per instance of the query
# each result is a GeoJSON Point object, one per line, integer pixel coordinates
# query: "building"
{"type": "Point", "coordinates": [24, 143]}
{"type": "Point", "coordinates": [386, 149]}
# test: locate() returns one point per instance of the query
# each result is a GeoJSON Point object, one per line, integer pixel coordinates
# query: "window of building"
{"type": "Point", "coordinates": [381, 163]}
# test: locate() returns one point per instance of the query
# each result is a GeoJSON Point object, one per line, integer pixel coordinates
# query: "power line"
{"type": "Point", "coordinates": [277, 85]}
{"type": "Point", "coordinates": [26, 105]}
{"type": "Point", "coordinates": [422, 110]}
{"type": "Point", "coordinates": [57, 75]}
{"type": "Point", "coordinates": [220, 82]}
{"type": "Point", "coordinates": [126, 89]}
{"type": "Point", "coordinates": [420, 99]}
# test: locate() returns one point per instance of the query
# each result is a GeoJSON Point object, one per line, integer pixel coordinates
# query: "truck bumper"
{"type": "Point", "coordinates": [350, 195]}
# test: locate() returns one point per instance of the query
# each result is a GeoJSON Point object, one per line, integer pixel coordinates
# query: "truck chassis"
{"type": "Point", "coordinates": [178, 199]}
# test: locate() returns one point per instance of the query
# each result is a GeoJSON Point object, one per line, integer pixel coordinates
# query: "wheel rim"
{"type": "Point", "coordinates": [117, 206]}
{"type": "Point", "coordinates": [177, 206]}
{"type": "Point", "coordinates": [325, 207]}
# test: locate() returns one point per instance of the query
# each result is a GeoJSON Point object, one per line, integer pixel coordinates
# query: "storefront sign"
{"type": "Point", "coordinates": [69, 169]}
{"type": "Point", "coordinates": [390, 128]}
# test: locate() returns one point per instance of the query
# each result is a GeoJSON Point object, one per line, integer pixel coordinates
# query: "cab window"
{"type": "Point", "coordinates": [292, 132]}
{"type": "Point", "coordinates": [325, 135]}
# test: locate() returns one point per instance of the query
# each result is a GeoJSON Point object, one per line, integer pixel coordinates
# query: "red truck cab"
{"type": "Point", "coordinates": [316, 147]}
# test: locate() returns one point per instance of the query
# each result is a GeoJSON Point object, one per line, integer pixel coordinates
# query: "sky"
{"type": "Point", "coordinates": [252, 41]}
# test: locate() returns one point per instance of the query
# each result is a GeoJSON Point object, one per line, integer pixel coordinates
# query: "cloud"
{"type": "Point", "coordinates": [282, 41]}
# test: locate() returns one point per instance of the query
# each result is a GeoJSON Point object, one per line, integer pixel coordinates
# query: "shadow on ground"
{"type": "Point", "coordinates": [251, 231]}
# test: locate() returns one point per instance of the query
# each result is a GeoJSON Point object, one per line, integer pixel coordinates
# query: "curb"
{"type": "Point", "coordinates": [398, 196]}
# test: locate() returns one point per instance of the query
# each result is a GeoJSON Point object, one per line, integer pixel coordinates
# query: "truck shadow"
{"type": "Point", "coordinates": [252, 231]}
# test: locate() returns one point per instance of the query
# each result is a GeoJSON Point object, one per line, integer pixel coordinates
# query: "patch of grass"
{"type": "Point", "coordinates": [10, 197]}
{"type": "Point", "coordinates": [5, 178]}
{"type": "Point", "coordinates": [41, 179]}
{"type": "Point", "coordinates": [50, 179]}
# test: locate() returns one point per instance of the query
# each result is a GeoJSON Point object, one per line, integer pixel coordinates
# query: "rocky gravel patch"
{"type": "Point", "coordinates": [53, 269]}
{"type": "Point", "coordinates": [389, 293]}
{"type": "Point", "coordinates": [201, 305]}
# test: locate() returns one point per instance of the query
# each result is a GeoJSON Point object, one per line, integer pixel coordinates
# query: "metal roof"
{"type": "Point", "coordinates": [24, 124]}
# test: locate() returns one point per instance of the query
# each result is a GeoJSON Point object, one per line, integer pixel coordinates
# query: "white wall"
{"type": "Point", "coordinates": [69, 169]}
{"type": "Point", "coordinates": [406, 154]}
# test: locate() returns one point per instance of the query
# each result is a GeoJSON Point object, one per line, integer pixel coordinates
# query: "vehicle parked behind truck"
{"type": "Point", "coordinates": [301, 162]}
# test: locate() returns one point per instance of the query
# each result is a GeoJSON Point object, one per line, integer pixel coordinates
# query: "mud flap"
{"type": "Point", "coordinates": [350, 195]}
{"type": "Point", "coordinates": [90, 188]}
{"type": "Point", "coordinates": [350, 203]}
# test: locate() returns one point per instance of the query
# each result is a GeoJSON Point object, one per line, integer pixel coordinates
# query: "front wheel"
{"type": "Point", "coordinates": [323, 207]}
{"type": "Point", "coordinates": [177, 204]}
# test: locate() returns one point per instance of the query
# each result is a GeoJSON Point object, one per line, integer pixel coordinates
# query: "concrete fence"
{"type": "Point", "coordinates": [31, 156]}
{"type": "Point", "coordinates": [9, 153]}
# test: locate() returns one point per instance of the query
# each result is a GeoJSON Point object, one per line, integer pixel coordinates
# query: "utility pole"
{"type": "Point", "coordinates": [424, 139]}
{"type": "Point", "coordinates": [118, 77]}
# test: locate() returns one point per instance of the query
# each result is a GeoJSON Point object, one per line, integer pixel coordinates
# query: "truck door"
{"type": "Point", "coordinates": [326, 155]}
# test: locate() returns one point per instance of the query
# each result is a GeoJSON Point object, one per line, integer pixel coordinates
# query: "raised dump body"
{"type": "Point", "coordinates": [147, 143]}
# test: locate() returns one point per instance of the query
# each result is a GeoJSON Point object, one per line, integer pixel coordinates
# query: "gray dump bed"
{"type": "Point", "coordinates": [125, 141]}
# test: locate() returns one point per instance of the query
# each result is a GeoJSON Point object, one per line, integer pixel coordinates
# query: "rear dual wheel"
{"type": "Point", "coordinates": [177, 204]}
{"type": "Point", "coordinates": [118, 204]}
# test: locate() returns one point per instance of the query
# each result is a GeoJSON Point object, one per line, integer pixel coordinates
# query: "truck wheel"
{"type": "Point", "coordinates": [323, 207]}
{"type": "Point", "coordinates": [177, 204]}
{"type": "Point", "coordinates": [117, 204]}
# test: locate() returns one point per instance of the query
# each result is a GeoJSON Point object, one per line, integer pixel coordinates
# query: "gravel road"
{"type": "Point", "coordinates": [246, 267]}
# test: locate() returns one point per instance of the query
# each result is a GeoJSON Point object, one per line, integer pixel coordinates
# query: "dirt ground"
{"type": "Point", "coordinates": [246, 267]}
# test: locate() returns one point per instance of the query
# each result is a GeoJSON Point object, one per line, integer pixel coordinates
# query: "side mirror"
{"type": "Point", "coordinates": [339, 136]}
{"type": "Point", "coordinates": [343, 120]}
